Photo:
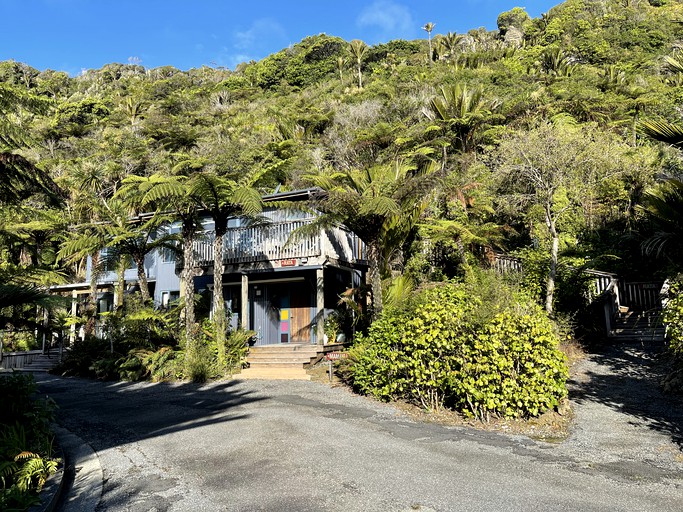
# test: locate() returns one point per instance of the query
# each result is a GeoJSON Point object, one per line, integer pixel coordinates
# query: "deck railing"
{"type": "Point", "coordinates": [18, 359]}
{"type": "Point", "coordinates": [642, 296]}
{"type": "Point", "coordinates": [259, 243]}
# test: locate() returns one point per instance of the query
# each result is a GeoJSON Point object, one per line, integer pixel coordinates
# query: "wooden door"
{"type": "Point", "coordinates": [300, 312]}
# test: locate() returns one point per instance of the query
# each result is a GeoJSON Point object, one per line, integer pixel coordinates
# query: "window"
{"type": "Point", "coordinates": [108, 260]}
{"type": "Point", "coordinates": [168, 298]}
{"type": "Point", "coordinates": [168, 255]}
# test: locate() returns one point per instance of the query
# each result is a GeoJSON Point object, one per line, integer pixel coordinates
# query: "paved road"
{"type": "Point", "coordinates": [302, 446]}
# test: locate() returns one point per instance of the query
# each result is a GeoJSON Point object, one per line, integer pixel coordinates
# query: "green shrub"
{"type": "Point", "coordinates": [25, 442]}
{"type": "Point", "coordinates": [82, 360]}
{"type": "Point", "coordinates": [511, 368]}
{"type": "Point", "coordinates": [479, 347]}
{"type": "Point", "coordinates": [197, 362]}
{"type": "Point", "coordinates": [164, 364]}
{"type": "Point", "coordinates": [673, 317]}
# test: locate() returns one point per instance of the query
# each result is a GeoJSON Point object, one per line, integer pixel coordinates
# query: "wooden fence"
{"type": "Point", "coordinates": [504, 263]}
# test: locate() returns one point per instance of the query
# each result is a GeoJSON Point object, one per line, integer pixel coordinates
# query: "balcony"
{"type": "Point", "coordinates": [268, 243]}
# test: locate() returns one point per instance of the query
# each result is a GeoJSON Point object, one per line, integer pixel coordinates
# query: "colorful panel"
{"type": "Point", "coordinates": [284, 326]}
{"type": "Point", "coordinates": [284, 314]}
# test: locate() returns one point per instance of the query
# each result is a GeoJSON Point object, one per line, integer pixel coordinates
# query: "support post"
{"type": "Point", "coordinates": [244, 309]}
{"type": "Point", "coordinates": [74, 305]}
{"type": "Point", "coordinates": [320, 307]}
{"type": "Point", "coordinates": [45, 324]}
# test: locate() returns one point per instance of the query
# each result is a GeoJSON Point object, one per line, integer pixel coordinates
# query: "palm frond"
{"type": "Point", "coordinates": [663, 131]}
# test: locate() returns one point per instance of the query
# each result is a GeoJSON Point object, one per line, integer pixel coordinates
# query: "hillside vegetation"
{"type": "Point", "coordinates": [537, 139]}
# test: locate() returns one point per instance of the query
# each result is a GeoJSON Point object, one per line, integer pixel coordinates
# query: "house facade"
{"type": "Point", "coordinates": [279, 288]}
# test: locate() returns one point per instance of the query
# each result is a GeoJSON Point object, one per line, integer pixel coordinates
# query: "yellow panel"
{"type": "Point", "coordinates": [284, 314]}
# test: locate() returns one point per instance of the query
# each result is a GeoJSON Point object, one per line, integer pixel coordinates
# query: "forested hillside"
{"type": "Point", "coordinates": [535, 139]}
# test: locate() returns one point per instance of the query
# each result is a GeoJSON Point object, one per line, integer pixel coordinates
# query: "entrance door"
{"type": "Point", "coordinates": [264, 316]}
{"type": "Point", "coordinates": [281, 313]}
{"type": "Point", "coordinates": [300, 302]}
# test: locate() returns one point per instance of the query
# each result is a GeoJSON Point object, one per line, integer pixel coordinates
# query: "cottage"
{"type": "Point", "coordinates": [280, 290]}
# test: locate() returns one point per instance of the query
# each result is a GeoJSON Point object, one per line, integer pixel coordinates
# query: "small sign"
{"type": "Point", "coordinates": [336, 356]}
{"type": "Point", "coordinates": [288, 263]}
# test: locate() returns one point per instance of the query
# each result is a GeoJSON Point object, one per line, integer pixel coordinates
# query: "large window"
{"type": "Point", "coordinates": [168, 255]}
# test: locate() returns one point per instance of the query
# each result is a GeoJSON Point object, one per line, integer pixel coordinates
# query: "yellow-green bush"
{"type": "Point", "coordinates": [673, 317]}
{"type": "Point", "coordinates": [452, 348]}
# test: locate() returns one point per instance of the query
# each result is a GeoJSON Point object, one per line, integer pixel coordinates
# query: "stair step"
{"type": "Point", "coordinates": [282, 355]}
{"type": "Point", "coordinates": [283, 361]}
{"type": "Point", "coordinates": [41, 364]}
{"type": "Point", "coordinates": [275, 364]}
{"type": "Point", "coordinates": [274, 374]}
{"type": "Point", "coordinates": [278, 349]}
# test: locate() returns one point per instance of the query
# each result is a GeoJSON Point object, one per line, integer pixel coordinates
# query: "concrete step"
{"type": "Point", "coordinates": [284, 358]}
{"type": "Point", "coordinates": [276, 373]}
{"type": "Point", "coordinates": [631, 336]}
{"type": "Point", "coordinates": [644, 332]}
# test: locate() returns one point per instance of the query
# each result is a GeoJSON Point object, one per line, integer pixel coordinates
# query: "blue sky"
{"type": "Point", "coordinates": [72, 35]}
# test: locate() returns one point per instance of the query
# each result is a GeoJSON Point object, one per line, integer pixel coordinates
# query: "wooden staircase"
{"type": "Point", "coordinates": [640, 326]}
{"type": "Point", "coordinates": [39, 364]}
{"type": "Point", "coordinates": [284, 362]}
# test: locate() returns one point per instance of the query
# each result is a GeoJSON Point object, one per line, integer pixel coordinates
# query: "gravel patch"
{"type": "Point", "coordinates": [624, 424]}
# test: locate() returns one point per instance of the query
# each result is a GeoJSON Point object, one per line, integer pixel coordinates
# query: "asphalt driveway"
{"type": "Point", "coordinates": [303, 446]}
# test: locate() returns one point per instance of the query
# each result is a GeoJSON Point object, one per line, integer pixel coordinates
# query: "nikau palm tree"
{"type": "Point", "coordinates": [463, 111]}
{"type": "Point", "coordinates": [358, 48]}
{"type": "Point", "coordinates": [429, 27]}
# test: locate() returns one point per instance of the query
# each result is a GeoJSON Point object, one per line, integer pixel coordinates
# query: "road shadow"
{"type": "Point", "coordinates": [628, 380]}
{"type": "Point", "coordinates": [108, 414]}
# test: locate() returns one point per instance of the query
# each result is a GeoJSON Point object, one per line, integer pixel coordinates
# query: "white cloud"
{"type": "Point", "coordinates": [392, 19]}
{"type": "Point", "coordinates": [259, 31]}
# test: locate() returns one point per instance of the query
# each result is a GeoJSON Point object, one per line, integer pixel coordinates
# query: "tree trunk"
{"type": "Point", "coordinates": [142, 277]}
{"type": "Point", "coordinates": [375, 277]}
{"type": "Point", "coordinates": [218, 301]}
{"type": "Point", "coordinates": [360, 76]}
{"type": "Point", "coordinates": [187, 277]}
{"type": "Point", "coordinates": [552, 273]}
{"type": "Point", "coordinates": [91, 305]}
{"type": "Point", "coordinates": [120, 282]}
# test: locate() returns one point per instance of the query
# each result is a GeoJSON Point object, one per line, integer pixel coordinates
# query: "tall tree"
{"type": "Point", "coordinates": [429, 27]}
{"type": "Point", "coordinates": [170, 193]}
{"type": "Point", "coordinates": [663, 207]}
{"type": "Point", "coordinates": [19, 178]}
{"type": "Point", "coordinates": [223, 198]}
{"type": "Point", "coordinates": [358, 49]}
{"type": "Point", "coordinates": [463, 111]}
{"type": "Point", "coordinates": [555, 168]}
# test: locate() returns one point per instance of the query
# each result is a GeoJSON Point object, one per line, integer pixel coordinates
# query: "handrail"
{"type": "Point", "coordinates": [19, 359]}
